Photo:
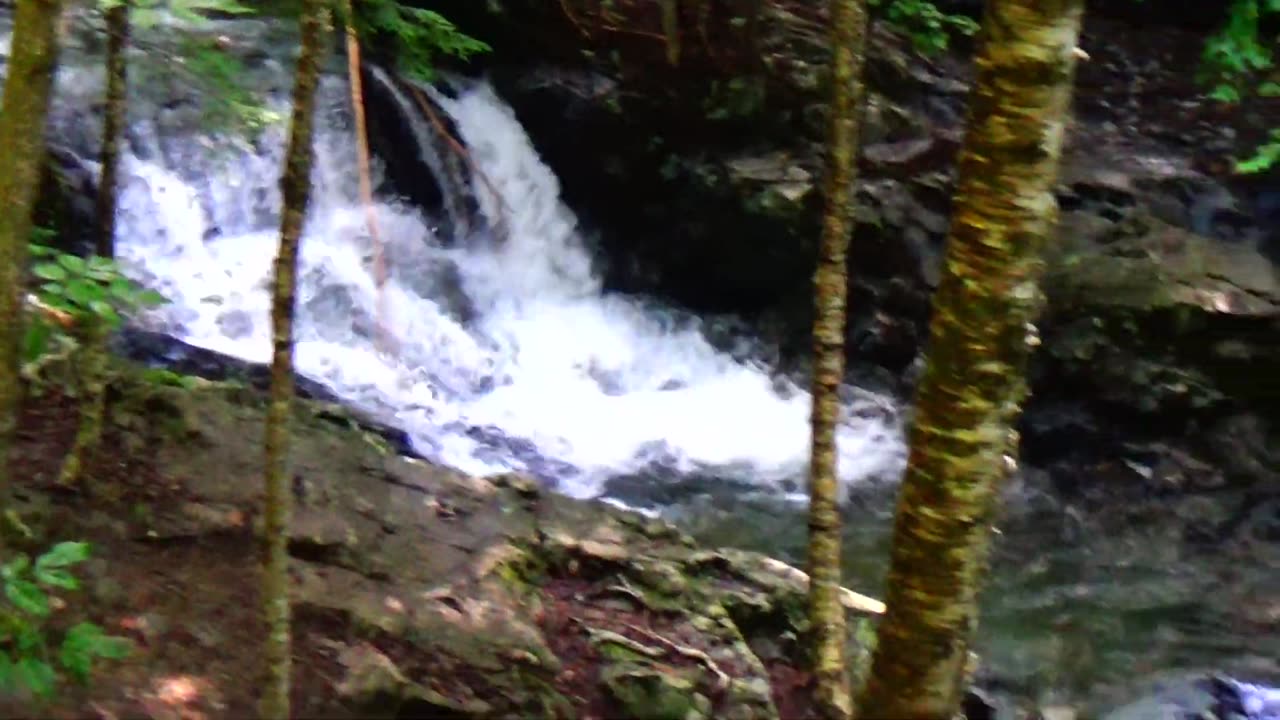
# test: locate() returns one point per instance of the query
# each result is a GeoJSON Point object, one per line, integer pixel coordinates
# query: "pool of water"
{"type": "Point", "coordinates": [1080, 608]}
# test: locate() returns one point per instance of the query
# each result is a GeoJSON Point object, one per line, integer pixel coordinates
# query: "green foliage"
{"type": "Point", "coordinates": [1233, 56]}
{"type": "Point", "coordinates": [25, 661]}
{"type": "Point", "coordinates": [203, 61]}
{"type": "Point", "coordinates": [226, 101]}
{"type": "Point", "coordinates": [416, 35]}
{"type": "Point", "coordinates": [1265, 157]}
{"type": "Point", "coordinates": [85, 290]}
{"type": "Point", "coordinates": [1232, 61]}
{"type": "Point", "coordinates": [146, 14]}
{"type": "Point", "coordinates": [929, 28]}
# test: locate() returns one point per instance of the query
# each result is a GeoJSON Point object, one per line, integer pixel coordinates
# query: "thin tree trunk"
{"type": "Point", "coordinates": [113, 126]}
{"type": "Point", "coordinates": [295, 186]}
{"type": "Point", "coordinates": [34, 54]}
{"type": "Point", "coordinates": [94, 367]}
{"type": "Point", "coordinates": [826, 615]}
{"type": "Point", "coordinates": [963, 442]}
{"type": "Point", "coordinates": [362, 165]}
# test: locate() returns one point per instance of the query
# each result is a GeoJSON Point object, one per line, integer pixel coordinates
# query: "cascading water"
{"type": "Point", "coordinates": [505, 353]}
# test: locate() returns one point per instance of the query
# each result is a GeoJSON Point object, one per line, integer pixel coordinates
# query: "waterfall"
{"type": "Point", "coordinates": [506, 352]}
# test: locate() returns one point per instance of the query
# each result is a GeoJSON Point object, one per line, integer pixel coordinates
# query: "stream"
{"type": "Point", "coordinates": [505, 352]}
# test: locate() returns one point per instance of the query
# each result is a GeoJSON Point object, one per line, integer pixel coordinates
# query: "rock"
{"type": "Point", "coordinates": [1200, 696]}
{"type": "Point", "coordinates": [376, 687]}
{"type": "Point", "coordinates": [1153, 331]}
{"type": "Point", "coordinates": [482, 597]}
{"type": "Point", "coordinates": [371, 677]}
{"type": "Point", "coordinates": [651, 694]}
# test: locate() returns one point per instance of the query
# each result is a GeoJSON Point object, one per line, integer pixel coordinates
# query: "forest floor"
{"type": "Point", "coordinates": [170, 516]}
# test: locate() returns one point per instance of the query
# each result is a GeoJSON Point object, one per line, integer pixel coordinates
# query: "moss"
{"type": "Point", "coordinates": [652, 694]}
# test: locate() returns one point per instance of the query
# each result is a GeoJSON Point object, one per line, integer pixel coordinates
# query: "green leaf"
{"type": "Point", "coordinates": [105, 311]}
{"type": "Point", "coordinates": [27, 597]}
{"type": "Point", "coordinates": [73, 263]}
{"type": "Point", "coordinates": [15, 567]}
{"type": "Point", "coordinates": [84, 292]}
{"type": "Point", "coordinates": [28, 639]}
{"type": "Point", "coordinates": [98, 262]}
{"type": "Point", "coordinates": [50, 271]}
{"type": "Point", "coordinates": [35, 341]}
{"type": "Point", "coordinates": [85, 642]}
{"type": "Point", "coordinates": [65, 554]}
{"type": "Point", "coordinates": [8, 675]}
{"type": "Point", "coordinates": [38, 250]}
{"type": "Point", "coordinates": [37, 676]}
{"type": "Point", "coordinates": [151, 298]}
{"type": "Point", "coordinates": [57, 577]}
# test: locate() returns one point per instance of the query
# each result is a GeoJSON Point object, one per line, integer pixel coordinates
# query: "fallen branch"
{"type": "Point", "coordinates": [848, 598]}
{"type": "Point", "coordinates": [366, 182]}
{"type": "Point", "coordinates": [425, 105]}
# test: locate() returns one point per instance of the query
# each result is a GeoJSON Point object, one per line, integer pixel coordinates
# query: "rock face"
{"type": "Point", "coordinates": [493, 598]}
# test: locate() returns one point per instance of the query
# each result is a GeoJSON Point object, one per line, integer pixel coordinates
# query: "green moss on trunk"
{"type": "Point", "coordinates": [963, 441]}
{"type": "Point", "coordinates": [27, 88]}
{"type": "Point", "coordinates": [295, 187]}
{"type": "Point", "coordinates": [826, 615]}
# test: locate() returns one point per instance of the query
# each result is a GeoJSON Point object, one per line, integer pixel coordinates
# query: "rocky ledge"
{"type": "Point", "coordinates": [428, 592]}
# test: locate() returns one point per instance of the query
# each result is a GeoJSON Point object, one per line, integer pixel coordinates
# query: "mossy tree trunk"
{"type": "Point", "coordinates": [295, 186]}
{"type": "Point", "coordinates": [963, 442]}
{"type": "Point", "coordinates": [33, 57]}
{"type": "Point", "coordinates": [94, 366]}
{"type": "Point", "coordinates": [826, 615]}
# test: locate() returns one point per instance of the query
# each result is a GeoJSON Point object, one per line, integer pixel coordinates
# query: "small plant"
{"type": "Point", "coordinates": [76, 291]}
{"type": "Point", "coordinates": [1234, 59]}
{"type": "Point", "coordinates": [1266, 156]}
{"type": "Point", "coordinates": [929, 28]}
{"type": "Point", "coordinates": [26, 662]}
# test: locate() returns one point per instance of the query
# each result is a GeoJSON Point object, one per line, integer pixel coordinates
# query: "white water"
{"type": "Point", "coordinates": [570, 382]}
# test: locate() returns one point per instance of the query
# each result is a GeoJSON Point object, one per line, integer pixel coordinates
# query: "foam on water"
{"type": "Point", "coordinates": [505, 351]}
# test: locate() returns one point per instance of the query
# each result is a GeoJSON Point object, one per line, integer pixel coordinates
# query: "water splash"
{"type": "Point", "coordinates": [507, 353]}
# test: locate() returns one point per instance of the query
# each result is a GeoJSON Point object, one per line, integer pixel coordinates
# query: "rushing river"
{"type": "Point", "coordinates": [503, 351]}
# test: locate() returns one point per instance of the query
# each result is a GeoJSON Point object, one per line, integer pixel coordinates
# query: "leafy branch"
{"type": "Point", "coordinates": [26, 662]}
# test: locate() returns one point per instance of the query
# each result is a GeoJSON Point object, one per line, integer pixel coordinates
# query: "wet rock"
{"type": "Point", "coordinates": [1159, 320]}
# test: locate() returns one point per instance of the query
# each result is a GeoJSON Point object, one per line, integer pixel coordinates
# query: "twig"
{"type": "Point", "coordinates": [457, 147]}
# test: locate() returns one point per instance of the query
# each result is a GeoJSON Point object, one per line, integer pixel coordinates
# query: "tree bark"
{"type": "Point", "coordinates": [826, 615]}
{"type": "Point", "coordinates": [27, 89]}
{"type": "Point", "coordinates": [295, 186]}
{"type": "Point", "coordinates": [113, 124]}
{"type": "Point", "coordinates": [94, 333]}
{"type": "Point", "coordinates": [963, 442]}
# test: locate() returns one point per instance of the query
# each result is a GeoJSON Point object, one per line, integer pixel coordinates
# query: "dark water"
{"type": "Point", "coordinates": [1084, 609]}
